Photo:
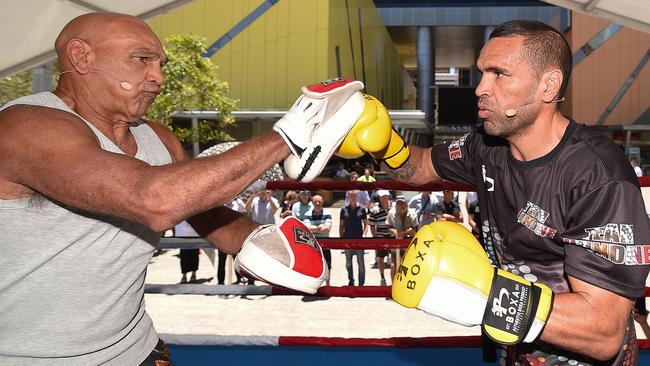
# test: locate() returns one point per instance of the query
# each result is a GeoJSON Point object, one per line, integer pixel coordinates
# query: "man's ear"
{"type": "Point", "coordinates": [551, 83]}
{"type": "Point", "coordinates": [80, 55]}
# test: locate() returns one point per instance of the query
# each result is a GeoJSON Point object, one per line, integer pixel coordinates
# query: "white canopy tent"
{"type": "Point", "coordinates": [628, 13]}
{"type": "Point", "coordinates": [29, 27]}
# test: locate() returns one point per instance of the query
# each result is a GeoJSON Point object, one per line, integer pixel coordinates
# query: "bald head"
{"type": "Point", "coordinates": [111, 63]}
{"type": "Point", "coordinates": [95, 28]}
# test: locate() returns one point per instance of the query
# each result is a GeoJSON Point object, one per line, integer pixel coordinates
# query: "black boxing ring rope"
{"type": "Point", "coordinates": [325, 291]}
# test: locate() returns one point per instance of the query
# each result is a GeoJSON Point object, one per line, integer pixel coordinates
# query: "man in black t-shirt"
{"type": "Point", "coordinates": [562, 214]}
{"type": "Point", "coordinates": [447, 209]}
{"type": "Point", "coordinates": [353, 224]}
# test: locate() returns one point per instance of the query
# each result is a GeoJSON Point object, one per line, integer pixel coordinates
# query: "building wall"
{"type": "Point", "coordinates": [290, 45]}
{"type": "Point", "coordinates": [356, 23]}
{"type": "Point", "coordinates": [598, 78]}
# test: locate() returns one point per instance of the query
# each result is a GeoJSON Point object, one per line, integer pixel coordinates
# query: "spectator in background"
{"type": "Point", "coordinates": [341, 172]}
{"type": "Point", "coordinates": [356, 167]}
{"type": "Point", "coordinates": [637, 169]}
{"type": "Point", "coordinates": [448, 209]}
{"type": "Point", "coordinates": [640, 310]}
{"type": "Point", "coordinates": [353, 224]}
{"type": "Point", "coordinates": [303, 207]}
{"type": "Point", "coordinates": [189, 257]}
{"type": "Point", "coordinates": [367, 177]}
{"type": "Point", "coordinates": [402, 224]}
{"type": "Point", "coordinates": [363, 198]}
{"type": "Point", "coordinates": [261, 207]}
{"type": "Point", "coordinates": [423, 203]}
{"type": "Point", "coordinates": [290, 197]}
{"type": "Point", "coordinates": [379, 229]}
{"type": "Point", "coordinates": [438, 195]}
{"type": "Point", "coordinates": [320, 223]}
{"type": "Point", "coordinates": [236, 205]}
{"type": "Point", "coordinates": [641, 317]}
{"type": "Point", "coordinates": [474, 215]}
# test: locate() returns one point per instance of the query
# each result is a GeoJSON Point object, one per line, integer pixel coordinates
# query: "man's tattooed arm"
{"type": "Point", "coordinates": [403, 173]}
{"type": "Point", "coordinates": [417, 170]}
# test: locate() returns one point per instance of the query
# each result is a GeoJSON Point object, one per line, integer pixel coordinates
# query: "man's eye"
{"type": "Point", "coordinates": [498, 74]}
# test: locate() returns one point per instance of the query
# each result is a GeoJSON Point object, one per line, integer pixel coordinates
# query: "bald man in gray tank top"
{"type": "Point", "coordinates": [87, 183]}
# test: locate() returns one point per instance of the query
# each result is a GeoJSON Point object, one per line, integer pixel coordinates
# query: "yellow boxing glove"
{"type": "Point", "coordinates": [374, 134]}
{"type": "Point", "coordinates": [445, 272]}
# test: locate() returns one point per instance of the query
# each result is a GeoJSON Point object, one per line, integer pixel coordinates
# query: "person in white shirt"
{"type": "Point", "coordinates": [261, 207]}
{"type": "Point", "coordinates": [637, 169]}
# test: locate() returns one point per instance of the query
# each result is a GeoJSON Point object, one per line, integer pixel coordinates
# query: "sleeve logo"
{"type": "Point", "coordinates": [455, 148]}
{"type": "Point", "coordinates": [615, 243]}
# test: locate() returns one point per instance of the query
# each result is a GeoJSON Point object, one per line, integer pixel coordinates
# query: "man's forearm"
{"type": "Point", "coordinates": [215, 179]}
{"type": "Point", "coordinates": [593, 328]}
{"type": "Point", "coordinates": [224, 228]}
{"type": "Point", "coordinates": [418, 169]}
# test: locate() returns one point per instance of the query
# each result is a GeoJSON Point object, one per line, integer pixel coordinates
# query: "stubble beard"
{"type": "Point", "coordinates": [508, 127]}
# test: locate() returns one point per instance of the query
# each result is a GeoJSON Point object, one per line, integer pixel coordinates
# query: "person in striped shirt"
{"type": "Point", "coordinates": [320, 223]}
{"type": "Point", "coordinates": [379, 228]}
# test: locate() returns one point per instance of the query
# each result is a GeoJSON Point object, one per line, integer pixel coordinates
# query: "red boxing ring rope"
{"type": "Point", "coordinates": [326, 243]}
{"type": "Point", "coordinates": [363, 243]}
{"type": "Point", "coordinates": [397, 342]}
{"type": "Point", "coordinates": [338, 185]}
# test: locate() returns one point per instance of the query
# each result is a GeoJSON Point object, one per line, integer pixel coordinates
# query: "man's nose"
{"type": "Point", "coordinates": [483, 87]}
{"type": "Point", "coordinates": [155, 75]}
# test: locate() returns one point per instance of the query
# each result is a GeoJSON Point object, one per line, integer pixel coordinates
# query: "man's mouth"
{"type": "Point", "coordinates": [483, 112]}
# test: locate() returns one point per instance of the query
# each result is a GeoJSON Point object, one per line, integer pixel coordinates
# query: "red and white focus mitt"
{"type": "Point", "coordinates": [317, 123]}
{"type": "Point", "coordinates": [286, 255]}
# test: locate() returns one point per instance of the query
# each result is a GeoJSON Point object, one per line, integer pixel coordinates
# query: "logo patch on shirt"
{"type": "Point", "coordinates": [455, 151]}
{"type": "Point", "coordinates": [614, 242]}
{"type": "Point", "coordinates": [533, 218]}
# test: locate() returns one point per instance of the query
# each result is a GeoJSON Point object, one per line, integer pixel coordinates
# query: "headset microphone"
{"type": "Point", "coordinates": [123, 84]}
{"type": "Point", "coordinates": [513, 112]}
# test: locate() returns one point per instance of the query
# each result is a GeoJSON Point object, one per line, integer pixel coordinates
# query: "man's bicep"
{"type": "Point", "coordinates": [604, 301]}
{"type": "Point", "coordinates": [596, 292]}
{"type": "Point", "coordinates": [605, 243]}
{"type": "Point", "coordinates": [58, 156]}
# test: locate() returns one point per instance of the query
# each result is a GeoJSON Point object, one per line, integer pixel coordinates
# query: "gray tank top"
{"type": "Point", "coordinates": [71, 281]}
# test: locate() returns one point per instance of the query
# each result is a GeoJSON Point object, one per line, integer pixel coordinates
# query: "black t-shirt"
{"type": "Point", "coordinates": [353, 221]}
{"type": "Point", "coordinates": [576, 211]}
{"type": "Point", "coordinates": [442, 207]}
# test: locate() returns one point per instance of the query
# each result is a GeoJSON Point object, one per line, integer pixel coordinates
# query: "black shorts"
{"type": "Point", "coordinates": [328, 258]}
{"type": "Point", "coordinates": [382, 253]}
{"type": "Point", "coordinates": [159, 356]}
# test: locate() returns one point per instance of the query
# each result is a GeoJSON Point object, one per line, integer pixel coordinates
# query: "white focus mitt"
{"type": "Point", "coordinates": [317, 123]}
{"type": "Point", "coordinates": [286, 255]}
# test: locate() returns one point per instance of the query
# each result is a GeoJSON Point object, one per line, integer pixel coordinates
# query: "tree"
{"type": "Point", "coordinates": [191, 83]}
{"type": "Point", "coordinates": [15, 86]}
